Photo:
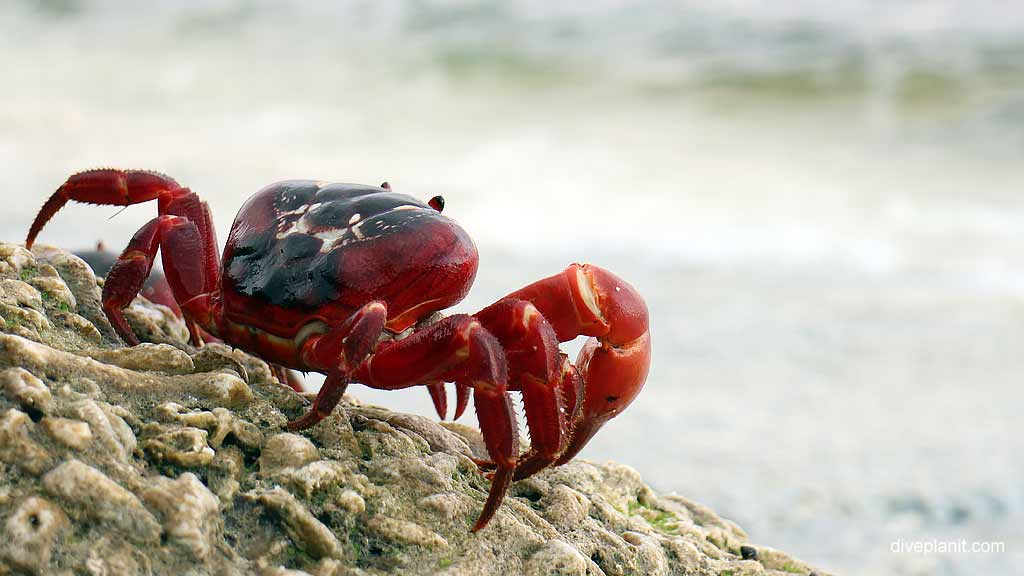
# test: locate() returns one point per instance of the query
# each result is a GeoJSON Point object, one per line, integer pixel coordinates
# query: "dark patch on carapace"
{"type": "Point", "coordinates": [316, 245]}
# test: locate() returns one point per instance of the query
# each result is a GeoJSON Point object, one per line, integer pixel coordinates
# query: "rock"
{"type": "Point", "coordinates": [54, 287]}
{"type": "Point", "coordinates": [225, 474]}
{"type": "Point", "coordinates": [773, 559]}
{"type": "Point", "coordinates": [29, 534]}
{"type": "Point", "coordinates": [26, 390]}
{"type": "Point", "coordinates": [405, 532]}
{"type": "Point", "coordinates": [163, 459]}
{"type": "Point", "coordinates": [287, 451]}
{"type": "Point", "coordinates": [308, 533]}
{"type": "Point", "coordinates": [18, 293]}
{"type": "Point", "coordinates": [17, 448]}
{"type": "Point", "coordinates": [14, 260]}
{"type": "Point", "coordinates": [113, 433]}
{"type": "Point", "coordinates": [150, 357]}
{"type": "Point", "coordinates": [351, 501]}
{"type": "Point", "coordinates": [190, 512]}
{"type": "Point", "coordinates": [310, 478]}
{"type": "Point", "coordinates": [447, 505]}
{"type": "Point", "coordinates": [81, 281]}
{"type": "Point", "coordinates": [92, 495]}
{"type": "Point", "coordinates": [74, 434]}
{"type": "Point", "coordinates": [112, 555]}
{"type": "Point", "coordinates": [182, 447]}
{"type": "Point", "coordinates": [557, 557]}
{"type": "Point", "coordinates": [220, 423]}
{"type": "Point", "coordinates": [154, 323]}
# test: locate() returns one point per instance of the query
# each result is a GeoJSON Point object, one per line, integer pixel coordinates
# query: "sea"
{"type": "Point", "coordinates": [822, 202]}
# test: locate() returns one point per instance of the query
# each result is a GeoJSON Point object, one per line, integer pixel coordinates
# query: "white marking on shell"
{"type": "Point", "coordinates": [333, 237]}
{"type": "Point", "coordinates": [330, 237]}
{"type": "Point", "coordinates": [329, 234]}
{"type": "Point", "coordinates": [300, 226]}
{"type": "Point", "coordinates": [300, 210]}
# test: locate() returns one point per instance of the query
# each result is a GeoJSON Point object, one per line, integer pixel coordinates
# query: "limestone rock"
{"type": "Point", "coordinates": [182, 447]}
{"type": "Point", "coordinates": [164, 459]}
{"type": "Point", "coordinates": [305, 530]}
{"type": "Point", "coordinates": [14, 260]}
{"type": "Point", "coordinates": [190, 513]}
{"type": "Point", "coordinates": [16, 445]}
{"type": "Point", "coordinates": [52, 286]}
{"type": "Point", "coordinates": [112, 432]}
{"type": "Point", "coordinates": [287, 450]}
{"type": "Point", "coordinates": [26, 390]}
{"type": "Point", "coordinates": [146, 356]}
{"type": "Point", "coordinates": [558, 557]}
{"type": "Point", "coordinates": [74, 434]}
{"type": "Point", "coordinates": [30, 532]}
{"type": "Point", "coordinates": [92, 495]}
{"type": "Point", "coordinates": [405, 532]}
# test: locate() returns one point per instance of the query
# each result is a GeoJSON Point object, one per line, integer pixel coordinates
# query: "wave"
{"type": "Point", "coordinates": [803, 48]}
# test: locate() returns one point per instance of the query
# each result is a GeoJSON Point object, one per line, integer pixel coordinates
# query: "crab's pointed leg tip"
{"type": "Point", "coordinates": [499, 486]}
{"type": "Point", "coordinates": [439, 398]}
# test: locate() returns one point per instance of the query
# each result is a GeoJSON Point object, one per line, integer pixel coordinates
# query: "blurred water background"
{"type": "Point", "coordinates": [821, 201]}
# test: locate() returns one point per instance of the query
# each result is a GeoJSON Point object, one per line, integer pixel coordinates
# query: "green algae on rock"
{"type": "Point", "coordinates": [162, 459]}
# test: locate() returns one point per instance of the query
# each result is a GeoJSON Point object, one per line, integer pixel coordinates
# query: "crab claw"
{"type": "Point", "coordinates": [582, 300]}
{"type": "Point", "coordinates": [614, 363]}
{"type": "Point", "coordinates": [614, 376]}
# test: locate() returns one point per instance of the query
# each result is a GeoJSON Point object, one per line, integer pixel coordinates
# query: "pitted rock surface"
{"type": "Point", "coordinates": [163, 459]}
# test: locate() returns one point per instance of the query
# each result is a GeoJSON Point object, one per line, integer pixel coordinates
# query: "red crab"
{"type": "Point", "coordinates": [348, 280]}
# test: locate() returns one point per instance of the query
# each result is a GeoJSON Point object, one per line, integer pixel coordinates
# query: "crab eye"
{"type": "Point", "coordinates": [437, 203]}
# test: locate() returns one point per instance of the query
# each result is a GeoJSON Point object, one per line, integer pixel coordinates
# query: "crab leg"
{"type": "Point", "coordinates": [287, 377]}
{"type": "Point", "coordinates": [336, 353]}
{"type": "Point", "coordinates": [439, 397]}
{"type": "Point", "coordinates": [461, 399]}
{"type": "Point", "coordinates": [460, 349]}
{"type": "Point", "coordinates": [535, 369]}
{"type": "Point", "coordinates": [113, 187]}
{"type": "Point", "coordinates": [609, 372]}
{"type": "Point", "coordinates": [184, 229]}
{"type": "Point", "coordinates": [568, 390]}
{"type": "Point", "coordinates": [180, 240]}
{"type": "Point", "coordinates": [107, 186]}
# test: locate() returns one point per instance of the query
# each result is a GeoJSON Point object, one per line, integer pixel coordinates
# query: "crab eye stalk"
{"type": "Point", "coordinates": [437, 203]}
{"type": "Point", "coordinates": [385, 185]}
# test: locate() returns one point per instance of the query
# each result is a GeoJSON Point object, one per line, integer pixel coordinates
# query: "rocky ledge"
{"type": "Point", "coordinates": [161, 459]}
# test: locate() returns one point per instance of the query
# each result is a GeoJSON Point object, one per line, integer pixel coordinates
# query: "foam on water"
{"type": "Point", "coordinates": [821, 203]}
